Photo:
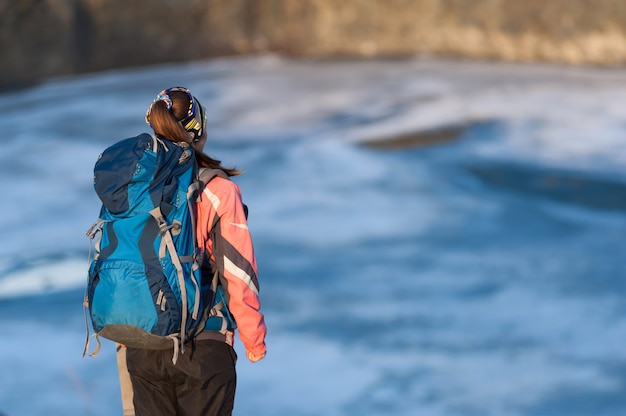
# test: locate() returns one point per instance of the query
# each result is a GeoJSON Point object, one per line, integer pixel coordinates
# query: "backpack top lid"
{"type": "Point", "coordinates": [125, 170]}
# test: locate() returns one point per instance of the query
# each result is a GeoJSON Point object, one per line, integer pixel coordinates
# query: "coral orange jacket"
{"type": "Point", "coordinates": [223, 236]}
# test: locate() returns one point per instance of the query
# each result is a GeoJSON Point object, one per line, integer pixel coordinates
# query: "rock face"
{"type": "Point", "coordinates": [39, 38]}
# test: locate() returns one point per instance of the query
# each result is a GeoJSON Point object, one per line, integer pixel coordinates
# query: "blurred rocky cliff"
{"type": "Point", "coordinates": [40, 38]}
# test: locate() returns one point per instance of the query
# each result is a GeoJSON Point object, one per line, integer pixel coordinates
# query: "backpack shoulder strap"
{"type": "Point", "coordinates": [205, 175]}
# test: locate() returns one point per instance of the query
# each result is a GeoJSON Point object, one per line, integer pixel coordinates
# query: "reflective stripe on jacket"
{"type": "Point", "coordinates": [223, 235]}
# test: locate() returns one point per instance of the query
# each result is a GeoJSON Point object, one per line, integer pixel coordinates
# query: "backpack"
{"type": "Point", "coordinates": [144, 281]}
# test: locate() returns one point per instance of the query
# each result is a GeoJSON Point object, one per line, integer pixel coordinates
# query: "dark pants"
{"type": "Point", "coordinates": [202, 383]}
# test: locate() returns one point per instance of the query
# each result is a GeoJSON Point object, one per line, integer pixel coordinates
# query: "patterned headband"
{"type": "Point", "coordinates": [195, 120]}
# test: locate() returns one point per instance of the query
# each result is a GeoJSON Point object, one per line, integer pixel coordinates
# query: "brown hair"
{"type": "Point", "coordinates": [165, 123]}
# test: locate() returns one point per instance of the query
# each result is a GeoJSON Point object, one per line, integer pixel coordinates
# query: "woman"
{"type": "Point", "coordinates": [203, 380]}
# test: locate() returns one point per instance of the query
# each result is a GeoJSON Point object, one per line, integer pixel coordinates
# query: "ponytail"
{"type": "Point", "coordinates": [165, 125]}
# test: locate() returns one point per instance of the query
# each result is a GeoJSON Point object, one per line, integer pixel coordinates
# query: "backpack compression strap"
{"type": "Point", "coordinates": [169, 242]}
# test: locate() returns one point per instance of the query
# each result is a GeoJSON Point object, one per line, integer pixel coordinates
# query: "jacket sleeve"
{"type": "Point", "coordinates": [230, 246]}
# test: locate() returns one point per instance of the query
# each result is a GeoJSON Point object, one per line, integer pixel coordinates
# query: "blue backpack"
{"type": "Point", "coordinates": [144, 286]}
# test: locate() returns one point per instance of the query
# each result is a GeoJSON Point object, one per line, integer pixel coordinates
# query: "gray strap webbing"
{"type": "Point", "coordinates": [205, 175]}
{"type": "Point", "coordinates": [155, 146]}
{"type": "Point", "coordinates": [176, 343]}
{"type": "Point", "coordinates": [92, 232]}
{"type": "Point", "coordinates": [217, 311]}
{"type": "Point", "coordinates": [169, 242]}
{"type": "Point", "coordinates": [97, 350]}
